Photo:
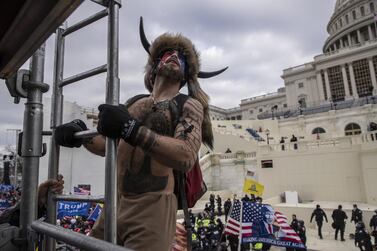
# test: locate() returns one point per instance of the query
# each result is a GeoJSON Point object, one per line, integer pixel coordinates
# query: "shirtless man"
{"type": "Point", "coordinates": [153, 142]}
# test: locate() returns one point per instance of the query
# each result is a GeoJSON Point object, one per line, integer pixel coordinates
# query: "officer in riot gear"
{"type": "Point", "coordinates": [362, 237]}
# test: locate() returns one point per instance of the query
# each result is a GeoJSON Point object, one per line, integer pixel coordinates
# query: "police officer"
{"type": "Point", "coordinates": [357, 214]}
{"type": "Point", "coordinates": [294, 223]}
{"type": "Point", "coordinates": [362, 237]}
{"type": "Point", "coordinates": [339, 216]}
{"type": "Point", "coordinates": [319, 215]}
{"type": "Point", "coordinates": [195, 241]}
{"type": "Point", "coordinates": [233, 242]}
{"type": "Point", "coordinates": [219, 210]}
{"type": "Point", "coordinates": [301, 231]}
{"type": "Point", "coordinates": [214, 236]}
{"type": "Point", "coordinates": [373, 226]}
{"type": "Point", "coordinates": [212, 202]}
{"type": "Point", "coordinates": [192, 218]}
{"type": "Point", "coordinates": [245, 198]}
{"type": "Point", "coordinates": [227, 206]}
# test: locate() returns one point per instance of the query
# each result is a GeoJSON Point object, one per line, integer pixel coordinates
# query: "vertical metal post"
{"type": "Point", "coordinates": [112, 97]}
{"type": "Point", "coordinates": [16, 160]}
{"type": "Point", "coordinates": [32, 142]}
{"type": "Point", "coordinates": [56, 120]}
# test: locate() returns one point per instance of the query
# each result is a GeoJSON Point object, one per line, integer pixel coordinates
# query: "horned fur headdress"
{"type": "Point", "coordinates": [192, 71]}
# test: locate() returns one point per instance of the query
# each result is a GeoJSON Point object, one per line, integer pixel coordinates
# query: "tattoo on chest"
{"type": "Point", "coordinates": [156, 117]}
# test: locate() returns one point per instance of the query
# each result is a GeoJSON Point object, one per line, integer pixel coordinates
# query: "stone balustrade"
{"type": "Point", "coordinates": [307, 145]}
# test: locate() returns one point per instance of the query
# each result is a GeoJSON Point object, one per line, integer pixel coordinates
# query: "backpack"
{"type": "Point", "coordinates": [189, 187]}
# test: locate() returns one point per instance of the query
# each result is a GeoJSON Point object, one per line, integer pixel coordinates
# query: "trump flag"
{"type": "Point", "coordinates": [69, 208]}
{"type": "Point", "coordinates": [255, 222]}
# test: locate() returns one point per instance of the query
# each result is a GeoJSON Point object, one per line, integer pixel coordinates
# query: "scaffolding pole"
{"type": "Point", "coordinates": [32, 142]}
{"type": "Point", "coordinates": [56, 120]}
{"type": "Point", "coordinates": [112, 97]}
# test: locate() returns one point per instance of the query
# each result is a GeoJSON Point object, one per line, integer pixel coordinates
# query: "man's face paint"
{"type": "Point", "coordinates": [175, 57]}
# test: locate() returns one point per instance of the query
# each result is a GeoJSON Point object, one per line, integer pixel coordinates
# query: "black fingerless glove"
{"type": "Point", "coordinates": [115, 122]}
{"type": "Point", "coordinates": [64, 134]}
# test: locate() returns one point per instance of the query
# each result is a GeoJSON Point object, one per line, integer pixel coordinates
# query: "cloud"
{"type": "Point", "coordinates": [256, 39]}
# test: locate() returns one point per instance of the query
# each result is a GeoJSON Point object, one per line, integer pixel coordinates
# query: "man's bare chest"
{"type": "Point", "coordinates": [157, 116]}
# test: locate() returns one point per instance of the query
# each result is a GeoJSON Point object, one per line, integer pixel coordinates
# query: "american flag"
{"type": "Point", "coordinates": [80, 191]}
{"type": "Point", "coordinates": [180, 239]}
{"type": "Point", "coordinates": [286, 232]}
{"type": "Point", "coordinates": [234, 225]}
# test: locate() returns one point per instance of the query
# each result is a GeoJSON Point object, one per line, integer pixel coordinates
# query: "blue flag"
{"type": "Point", "coordinates": [68, 208]}
{"type": "Point", "coordinates": [6, 188]}
{"type": "Point", "coordinates": [4, 204]}
{"type": "Point", "coordinates": [96, 212]}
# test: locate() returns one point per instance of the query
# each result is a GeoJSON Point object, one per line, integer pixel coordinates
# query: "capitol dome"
{"type": "Point", "coordinates": [352, 24]}
{"type": "Point", "coordinates": [339, 3]}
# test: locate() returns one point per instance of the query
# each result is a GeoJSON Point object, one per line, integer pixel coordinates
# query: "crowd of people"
{"type": "Point", "coordinates": [9, 196]}
{"type": "Point", "coordinates": [207, 227]}
{"type": "Point", "coordinates": [79, 224]}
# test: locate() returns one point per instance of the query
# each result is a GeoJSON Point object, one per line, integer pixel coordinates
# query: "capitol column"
{"type": "Point", "coordinates": [370, 33]}
{"type": "Point", "coordinates": [327, 83]}
{"type": "Point", "coordinates": [341, 43]}
{"type": "Point", "coordinates": [353, 81]}
{"type": "Point", "coordinates": [345, 83]}
{"type": "Point", "coordinates": [320, 87]}
{"type": "Point", "coordinates": [349, 40]}
{"type": "Point", "coordinates": [372, 75]}
{"type": "Point", "coordinates": [359, 37]}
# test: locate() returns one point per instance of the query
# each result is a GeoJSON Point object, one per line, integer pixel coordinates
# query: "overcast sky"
{"type": "Point", "coordinates": [257, 39]}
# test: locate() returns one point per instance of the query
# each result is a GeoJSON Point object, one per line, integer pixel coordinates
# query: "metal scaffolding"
{"type": "Point", "coordinates": [31, 139]}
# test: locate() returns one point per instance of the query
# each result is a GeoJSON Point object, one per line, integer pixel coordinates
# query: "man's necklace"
{"type": "Point", "coordinates": [155, 102]}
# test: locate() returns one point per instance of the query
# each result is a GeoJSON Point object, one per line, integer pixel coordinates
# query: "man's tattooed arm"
{"type": "Point", "coordinates": [181, 151]}
{"type": "Point", "coordinates": [96, 145]}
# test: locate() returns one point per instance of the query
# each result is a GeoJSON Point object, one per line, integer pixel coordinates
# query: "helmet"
{"type": "Point", "coordinates": [360, 225]}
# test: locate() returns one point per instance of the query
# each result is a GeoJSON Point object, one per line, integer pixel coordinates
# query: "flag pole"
{"type": "Point", "coordinates": [240, 232]}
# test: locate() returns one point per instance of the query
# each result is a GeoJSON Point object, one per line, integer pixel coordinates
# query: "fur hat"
{"type": "Point", "coordinates": [192, 72]}
{"type": "Point", "coordinates": [177, 42]}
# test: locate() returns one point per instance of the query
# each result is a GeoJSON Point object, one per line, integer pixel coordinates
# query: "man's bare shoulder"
{"type": "Point", "coordinates": [141, 98]}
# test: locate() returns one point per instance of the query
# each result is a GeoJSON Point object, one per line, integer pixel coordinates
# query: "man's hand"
{"type": "Point", "coordinates": [56, 186]}
{"type": "Point", "coordinates": [115, 122]}
{"type": "Point", "coordinates": [64, 134]}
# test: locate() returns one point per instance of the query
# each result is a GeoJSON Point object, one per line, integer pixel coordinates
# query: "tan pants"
{"type": "Point", "coordinates": [145, 222]}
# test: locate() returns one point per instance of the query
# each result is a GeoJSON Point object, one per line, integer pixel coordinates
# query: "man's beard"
{"type": "Point", "coordinates": [170, 74]}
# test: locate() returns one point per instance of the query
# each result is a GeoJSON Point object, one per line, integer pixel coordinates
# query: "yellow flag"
{"type": "Point", "coordinates": [253, 187]}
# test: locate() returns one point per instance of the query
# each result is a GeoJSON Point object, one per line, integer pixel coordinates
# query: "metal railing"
{"type": "Point", "coordinates": [306, 145]}
{"type": "Point", "coordinates": [316, 107]}
{"type": "Point", "coordinates": [112, 97]}
{"type": "Point", "coordinates": [73, 238]}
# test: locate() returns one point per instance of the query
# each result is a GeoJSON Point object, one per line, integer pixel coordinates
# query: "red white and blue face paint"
{"type": "Point", "coordinates": [174, 56]}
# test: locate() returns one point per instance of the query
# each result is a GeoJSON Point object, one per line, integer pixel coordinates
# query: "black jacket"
{"type": "Point", "coordinates": [339, 216]}
{"type": "Point", "coordinates": [294, 225]}
{"type": "Point", "coordinates": [357, 215]}
{"type": "Point", "coordinates": [373, 222]}
{"type": "Point", "coordinates": [319, 214]}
